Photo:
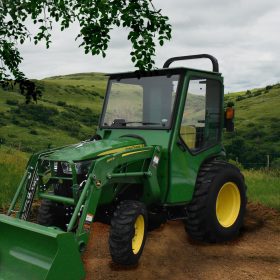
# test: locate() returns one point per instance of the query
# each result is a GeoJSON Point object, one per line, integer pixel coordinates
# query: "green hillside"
{"type": "Point", "coordinates": [257, 124]}
{"type": "Point", "coordinates": [67, 112]}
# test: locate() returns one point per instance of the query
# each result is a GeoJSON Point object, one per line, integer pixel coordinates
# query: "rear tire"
{"type": "Point", "coordinates": [218, 206]}
{"type": "Point", "coordinates": [128, 232]}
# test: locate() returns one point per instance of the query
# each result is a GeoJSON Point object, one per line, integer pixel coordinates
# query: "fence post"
{"type": "Point", "coordinates": [267, 161]}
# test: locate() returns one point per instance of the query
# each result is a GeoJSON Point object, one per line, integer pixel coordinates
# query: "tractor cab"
{"type": "Point", "coordinates": [180, 109]}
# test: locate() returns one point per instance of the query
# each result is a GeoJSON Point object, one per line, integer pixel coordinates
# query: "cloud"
{"type": "Point", "coordinates": [242, 34]}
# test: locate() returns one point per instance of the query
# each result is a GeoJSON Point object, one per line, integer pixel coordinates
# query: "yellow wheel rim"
{"type": "Point", "coordinates": [137, 240]}
{"type": "Point", "coordinates": [228, 204]}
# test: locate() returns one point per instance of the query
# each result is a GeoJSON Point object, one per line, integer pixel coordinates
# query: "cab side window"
{"type": "Point", "coordinates": [201, 122]}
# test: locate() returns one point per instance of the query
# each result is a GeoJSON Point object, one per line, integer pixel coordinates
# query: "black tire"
{"type": "Point", "coordinates": [46, 213]}
{"type": "Point", "coordinates": [52, 214]}
{"type": "Point", "coordinates": [122, 232]}
{"type": "Point", "coordinates": [203, 222]}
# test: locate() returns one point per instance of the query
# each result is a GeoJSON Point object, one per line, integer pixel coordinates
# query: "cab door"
{"type": "Point", "coordinates": [197, 133]}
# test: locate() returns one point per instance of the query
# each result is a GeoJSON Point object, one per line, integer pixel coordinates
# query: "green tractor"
{"type": "Point", "coordinates": [157, 156]}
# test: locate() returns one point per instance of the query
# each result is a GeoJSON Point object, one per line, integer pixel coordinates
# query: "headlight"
{"type": "Point", "coordinates": [66, 168]}
{"type": "Point", "coordinates": [81, 167]}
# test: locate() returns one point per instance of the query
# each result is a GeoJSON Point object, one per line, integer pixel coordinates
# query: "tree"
{"type": "Point", "coordinates": [96, 18]}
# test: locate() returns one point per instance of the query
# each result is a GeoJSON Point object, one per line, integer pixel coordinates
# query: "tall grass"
{"type": "Point", "coordinates": [12, 166]}
{"type": "Point", "coordinates": [263, 187]}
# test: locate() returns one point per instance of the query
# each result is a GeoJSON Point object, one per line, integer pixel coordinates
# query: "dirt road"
{"type": "Point", "coordinates": [170, 254]}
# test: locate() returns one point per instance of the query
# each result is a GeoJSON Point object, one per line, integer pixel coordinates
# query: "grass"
{"type": "Point", "coordinates": [263, 187]}
{"type": "Point", "coordinates": [12, 166]}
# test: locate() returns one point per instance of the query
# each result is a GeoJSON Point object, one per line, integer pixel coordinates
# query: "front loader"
{"type": "Point", "coordinates": [157, 156]}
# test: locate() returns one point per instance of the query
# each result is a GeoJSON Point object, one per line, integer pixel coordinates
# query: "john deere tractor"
{"type": "Point", "coordinates": [157, 156]}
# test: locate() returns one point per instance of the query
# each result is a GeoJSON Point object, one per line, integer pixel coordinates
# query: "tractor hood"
{"type": "Point", "coordinates": [93, 149]}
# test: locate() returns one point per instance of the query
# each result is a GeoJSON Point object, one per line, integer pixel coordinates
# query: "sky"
{"type": "Point", "coordinates": [242, 34]}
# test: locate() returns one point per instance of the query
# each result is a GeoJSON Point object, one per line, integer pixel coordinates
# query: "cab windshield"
{"type": "Point", "coordinates": [140, 102]}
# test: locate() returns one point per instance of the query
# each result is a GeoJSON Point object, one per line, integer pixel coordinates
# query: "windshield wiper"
{"type": "Point", "coordinates": [144, 123]}
{"type": "Point", "coordinates": [122, 122]}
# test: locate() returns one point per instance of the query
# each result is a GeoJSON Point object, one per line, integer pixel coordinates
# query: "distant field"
{"type": "Point", "coordinates": [264, 187]}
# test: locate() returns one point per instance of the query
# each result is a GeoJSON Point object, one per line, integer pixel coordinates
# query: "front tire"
{"type": "Point", "coordinates": [128, 232]}
{"type": "Point", "coordinates": [46, 213]}
{"type": "Point", "coordinates": [217, 210]}
{"type": "Point", "coordinates": [51, 214]}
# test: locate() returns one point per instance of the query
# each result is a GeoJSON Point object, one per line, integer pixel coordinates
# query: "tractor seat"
{"type": "Point", "coordinates": [188, 134]}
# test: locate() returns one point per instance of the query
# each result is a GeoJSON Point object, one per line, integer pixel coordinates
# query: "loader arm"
{"type": "Point", "coordinates": [101, 176]}
{"type": "Point", "coordinates": [46, 252]}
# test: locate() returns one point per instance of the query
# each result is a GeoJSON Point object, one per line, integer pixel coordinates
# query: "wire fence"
{"type": "Point", "coordinates": [269, 161]}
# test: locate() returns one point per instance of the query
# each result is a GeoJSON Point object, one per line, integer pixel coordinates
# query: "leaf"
{"type": "Point", "coordinates": [96, 18]}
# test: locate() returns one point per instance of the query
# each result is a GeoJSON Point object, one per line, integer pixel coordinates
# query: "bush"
{"type": "Point", "coordinates": [3, 122]}
{"type": "Point", "coordinates": [27, 149]}
{"type": "Point", "coordinates": [230, 104]}
{"type": "Point", "coordinates": [240, 97]}
{"type": "Point", "coordinates": [70, 126]}
{"type": "Point", "coordinates": [12, 102]}
{"type": "Point", "coordinates": [276, 163]}
{"type": "Point", "coordinates": [2, 140]}
{"type": "Point", "coordinates": [257, 93]}
{"type": "Point", "coordinates": [37, 113]}
{"type": "Point", "coordinates": [61, 103]}
{"type": "Point", "coordinates": [12, 136]}
{"type": "Point", "coordinates": [33, 132]}
{"type": "Point", "coordinates": [253, 134]}
{"type": "Point", "coordinates": [15, 121]}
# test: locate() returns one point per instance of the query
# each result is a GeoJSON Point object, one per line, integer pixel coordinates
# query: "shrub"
{"type": "Point", "coordinates": [12, 136]}
{"type": "Point", "coordinates": [2, 140]}
{"type": "Point", "coordinates": [33, 132]}
{"type": "Point", "coordinates": [240, 97]}
{"type": "Point", "coordinates": [27, 149]}
{"type": "Point", "coordinates": [230, 104]}
{"type": "Point", "coordinates": [276, 163]}
{"type": "Point", "coordinates": [252, 134]}
{"type": "Point", "coordinates": [37, 113]}
{"type": "Point", "coordinates": [12, 102]}
{"type": "Point", "coordinates": [70, 126]}
{"type": "Point", "coordinates": [61, 103]}
{"type": "Point", "coordinates": [3, 122]}
{"type": "Point", "coordinates": [15, 121]}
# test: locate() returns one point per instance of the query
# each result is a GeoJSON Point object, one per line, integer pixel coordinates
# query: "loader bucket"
{"type": "Point", "coordinates": [34, 252]}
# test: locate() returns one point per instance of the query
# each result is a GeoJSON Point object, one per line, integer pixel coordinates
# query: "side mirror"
{"type": "Point", "coordinates": [229, 119]}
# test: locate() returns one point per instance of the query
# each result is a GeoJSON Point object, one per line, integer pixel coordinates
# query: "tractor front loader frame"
{"type": "Point", "coordinates": [86, 196]}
